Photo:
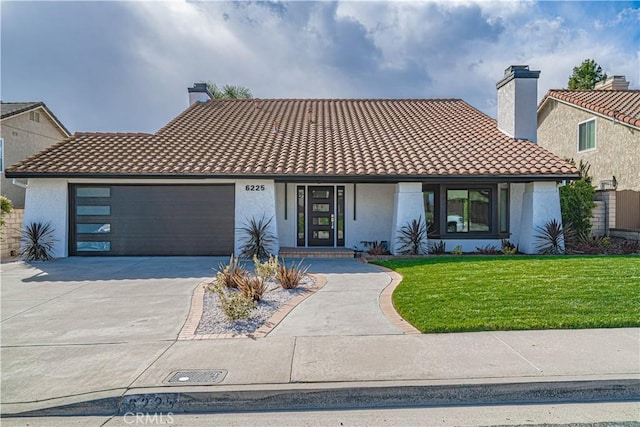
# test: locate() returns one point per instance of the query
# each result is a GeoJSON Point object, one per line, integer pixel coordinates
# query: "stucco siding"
{"type": "Point", "coordinates": [617, 149]}
{"type": "Point", "coordinates": [374, 214]}
{"type": "Point", "coordinates": [46, 201]}
{"type": "Point", "coordinates": [255, 199]}
{"type": "Point", "coordinates": [24, 137]}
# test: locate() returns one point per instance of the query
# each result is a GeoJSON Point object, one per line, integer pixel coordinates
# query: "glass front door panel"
{"type": "Point", "coordinates": [321, 218]}
{"type": "Point", "coordinates": [321, 207]}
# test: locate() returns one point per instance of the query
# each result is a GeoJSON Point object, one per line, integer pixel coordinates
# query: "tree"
{"type": "Point", "coordinates": [586, 75]}
{"type": "Point", "coordinates": [229, 91]}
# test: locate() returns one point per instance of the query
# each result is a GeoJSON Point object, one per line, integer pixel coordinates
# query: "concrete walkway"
{"type": "Point", "coordinates": [100, 335]}
{"type": "Point", "coordinates": [349, 303]}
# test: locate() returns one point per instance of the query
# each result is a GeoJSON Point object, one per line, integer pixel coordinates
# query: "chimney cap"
{"type": "Point", "coordinates": [517, 72]}
{"type": "Point", "coordinates": [200, 88]}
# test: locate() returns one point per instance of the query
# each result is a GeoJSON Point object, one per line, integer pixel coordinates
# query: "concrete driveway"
{"type": "Point", "coordinates": [72, 317]}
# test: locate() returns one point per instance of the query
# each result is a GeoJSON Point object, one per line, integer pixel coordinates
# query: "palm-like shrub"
{"type": "Point", "coordinates": [230, 274]}
{"type": "Point", "coordinates": [290, 277]}
{"type": "Point", "coordinates": [258, 238]}
{"type": "Point", "coordinates": [552, 237]}
{"type": "Point", "coordinates": [253, 288]}
{"type": "Point", "coordinates": [37, 242]}
{"type": "Point", "coordinates": [412, 237]}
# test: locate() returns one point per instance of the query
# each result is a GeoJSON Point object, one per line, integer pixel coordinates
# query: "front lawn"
{"type": "Point", "coordinates": [454, 294]}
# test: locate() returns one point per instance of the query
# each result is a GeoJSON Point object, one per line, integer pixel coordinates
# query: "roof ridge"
{"type": "Point", "coordinates": [112, 134]}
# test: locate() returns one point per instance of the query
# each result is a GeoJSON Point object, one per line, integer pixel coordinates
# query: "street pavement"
{"type": "Point", "coordinates": [98, 336]}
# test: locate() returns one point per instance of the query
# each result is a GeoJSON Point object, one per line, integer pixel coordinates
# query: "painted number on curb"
{"type": "Point", "coordinates": [254, 187]}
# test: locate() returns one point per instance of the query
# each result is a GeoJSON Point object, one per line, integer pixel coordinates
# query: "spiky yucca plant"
{"type": "Point", "coordinates": [412, 237]}
{"type": "Point", "coordinates": [552, 237]}
{"type": "Point", "coordinates": [258, 239]}
{"type": "Point", "coordinates": [37, 242]}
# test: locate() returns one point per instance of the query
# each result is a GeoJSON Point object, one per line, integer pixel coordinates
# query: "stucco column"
{"type": "Point", "coordinates": [540, 204]}
{"type": "Point", "coordinates": [46, 201]}
{"type": "Point", "coordinates": [255, 199]}
{"type": "Point", "coordinates": [408, 205]}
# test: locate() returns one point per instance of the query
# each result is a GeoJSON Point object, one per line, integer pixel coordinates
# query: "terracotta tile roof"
{"type": "Point", "coordinates": [355, 138]}
{"type": "Point", "coordinates": [624, 105]}
{"type": "Point", "coordinates": [8, 109]}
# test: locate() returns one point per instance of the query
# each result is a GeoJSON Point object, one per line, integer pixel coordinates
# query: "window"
{"type": "Point", "coordinates": [300, 216]}
{"type": "Point", "coordinates": [468, 210]}
{"type": "Point", "coordinates": [472, 211]}
{"type": "Point", "coordinates": [1, 154]}
{"type": "Point", "coordinates": [431, 210]}
{"type": "Point", "coordinates": [93, 210]}
{"type": "Point", "coordinates": [33, 116]}
{"type": "Point", "coordinates": [587, 135]}
{"type": "Point", "coordinates": [93, 192]}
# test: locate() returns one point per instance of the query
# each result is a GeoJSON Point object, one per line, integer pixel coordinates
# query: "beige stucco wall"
{"type": "Point", "coordinates": [22, 138]}
{"type": "Point", "coordinates": [617, 149]}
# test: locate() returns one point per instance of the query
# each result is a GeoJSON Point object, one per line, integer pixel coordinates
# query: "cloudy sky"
{"type": "Point", "coordinates": [124, 66]}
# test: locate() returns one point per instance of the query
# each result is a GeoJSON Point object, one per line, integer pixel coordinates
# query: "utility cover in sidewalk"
{"type": "Point", "coordinates": [196, 376]}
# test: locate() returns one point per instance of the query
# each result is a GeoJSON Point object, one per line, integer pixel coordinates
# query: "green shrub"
{"type": "Point", "coordinates": [235, 305]}
{"type": "Point", "coordinates": [291, 277]}
{"type": "Point", "coordinates": [509, 248]}
{"type": "Point", "coordinates": [457, 250]}
{"type": "Point", "coordinates": [267, 269]}
{"type": "Point", "coordinates": [576, 202]}
{"type": "Point", "coordinates": [5, 207]}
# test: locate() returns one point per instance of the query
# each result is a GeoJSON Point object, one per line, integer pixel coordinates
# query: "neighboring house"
{"type": "Point", "coordinates": [602, 128]}
{"type": "Point", "coordinates": [25, 129]}
{"type": "Point", "coordinates": [330, 173]}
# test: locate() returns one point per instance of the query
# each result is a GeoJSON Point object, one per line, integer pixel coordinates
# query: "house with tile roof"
{"type": "Point", "coordinates": [328, 173]}
{"type": "Point", "coordinates": [602, 128]}
{"type": "Point", "coordinates": [25, 129]}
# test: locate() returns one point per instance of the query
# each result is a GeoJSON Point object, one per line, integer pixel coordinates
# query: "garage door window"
{"type": "Point", "coordinates": [93, 192]}
{"type": "Point", "coordinates": [93, 228]}
{"type": "Point", "coordinates": [93, 210]}
{"type": "Point", "coordinates": [93, 246]}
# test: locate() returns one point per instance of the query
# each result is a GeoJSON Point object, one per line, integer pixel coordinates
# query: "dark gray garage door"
{"type": "Point", "coordinates": [151, 219]}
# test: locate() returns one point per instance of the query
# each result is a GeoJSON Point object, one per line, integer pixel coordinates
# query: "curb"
{"type": "Point", "coordinates": [354, 397]}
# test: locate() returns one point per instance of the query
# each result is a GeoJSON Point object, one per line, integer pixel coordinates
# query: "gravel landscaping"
{"type": "Point", "coordinates": [214, 321]}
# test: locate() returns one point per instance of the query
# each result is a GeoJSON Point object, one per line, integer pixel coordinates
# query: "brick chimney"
{"type": "Point", "coordinates": [613, 83]}
{"type": "Point", "coordinates": [199, 93]}
{"type": "Point", "coordinates": [518, 103]}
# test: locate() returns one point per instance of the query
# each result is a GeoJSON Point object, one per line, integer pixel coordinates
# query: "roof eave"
{"type": "Point", "coordinates": [309, 178]}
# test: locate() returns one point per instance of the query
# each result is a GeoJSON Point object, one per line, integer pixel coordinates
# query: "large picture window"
{"type": "Point", "coordinates": [467, 211]}
{"type": "Point", "coordinates": [587, 135]}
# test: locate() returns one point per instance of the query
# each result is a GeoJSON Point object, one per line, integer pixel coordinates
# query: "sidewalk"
{"type": "Point", "coordinates": [121, 356]}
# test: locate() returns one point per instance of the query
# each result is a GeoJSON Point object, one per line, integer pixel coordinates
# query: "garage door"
{"type": "Point", "coordinates": [151, 219]}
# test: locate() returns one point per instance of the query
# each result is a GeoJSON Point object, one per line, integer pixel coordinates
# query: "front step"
{"type": "Point", "coordinates": [316, 253]}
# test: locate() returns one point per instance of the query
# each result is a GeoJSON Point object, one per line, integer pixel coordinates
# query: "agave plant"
{"type": "Point", "coordinates": [258, 239]}
{"type": "Point", "coordinates": [412, 237]}
{"type": "Point", "coordinates": [37, 242]}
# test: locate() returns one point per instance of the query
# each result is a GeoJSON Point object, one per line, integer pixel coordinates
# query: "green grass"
{"type": "Point", "coordinates": [455, 294]}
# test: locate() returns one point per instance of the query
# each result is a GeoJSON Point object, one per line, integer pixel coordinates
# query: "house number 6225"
{"type": "Point", "coordinates": [254, 187]}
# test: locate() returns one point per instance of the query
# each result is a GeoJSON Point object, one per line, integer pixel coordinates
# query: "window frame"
{"type": "Point", "coordinates": [1, 155]}
{"type": "Point", "coordinates": [595, 134]}
{"type": "Point", "coordinates": [440, 214]}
